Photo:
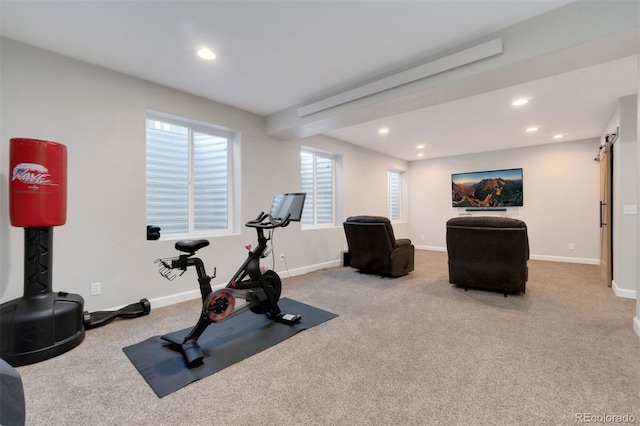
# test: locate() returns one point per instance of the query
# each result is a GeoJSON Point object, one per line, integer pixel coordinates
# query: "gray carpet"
{"type": "Point", "coordinates": [408, 351]}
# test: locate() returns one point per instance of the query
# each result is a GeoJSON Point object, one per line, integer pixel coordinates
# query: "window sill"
{"type": "Point", "coordinates": [180, 237]}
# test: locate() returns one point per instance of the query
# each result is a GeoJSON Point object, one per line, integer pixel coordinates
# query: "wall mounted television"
{"type": "Point", "coordinates": [489, 189]}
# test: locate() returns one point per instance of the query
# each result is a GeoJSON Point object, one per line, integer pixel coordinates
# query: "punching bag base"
{"type": "Point", "coordinates": [33, 329]}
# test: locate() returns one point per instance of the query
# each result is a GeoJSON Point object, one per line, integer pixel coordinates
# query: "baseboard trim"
{"type": "Point", "coordinates": [431, 248]}
{"type": "Point", "coordinates": [172, 299]}
{"type": "Point", "coordinates": [582, 260]}
{"type": "Point", "coordinates": [532, 257]}
{"type": "Point", "coordinates": [621, 292]}
{"type": "Point", "coordinates": [636, 325]}
{"type": "Point", "coordinates": [286, 273]}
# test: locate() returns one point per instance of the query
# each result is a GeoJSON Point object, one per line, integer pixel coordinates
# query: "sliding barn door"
{"type": "Point", "coordinates": [606, 165]}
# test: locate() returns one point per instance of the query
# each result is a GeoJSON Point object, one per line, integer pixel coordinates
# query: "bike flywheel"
{"type": "Point", "coordinates": [219, 305]}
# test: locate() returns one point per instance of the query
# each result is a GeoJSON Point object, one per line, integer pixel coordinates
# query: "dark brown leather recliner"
{"type": "Point", "coordinates": [12, 405]}
{"type": "Point", "coordinates": [488, 253]}
{"type": "Point", "coordinates": [373, 248]}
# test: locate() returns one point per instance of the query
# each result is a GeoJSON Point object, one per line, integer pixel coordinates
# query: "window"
{"type": "Point", "coordinates": [394, 191]}
{"type": "Point", "coordinates": [318, 172]}
{"type": "Point", "coordinates": [188, 176]}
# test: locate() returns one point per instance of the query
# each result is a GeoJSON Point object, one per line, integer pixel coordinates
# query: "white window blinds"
{"type": "Point", "coordinates": [187, 178]}
{"type": "Point", "coordinates": [317, 180]}
{"type": "Point", "coordinates": [393, 194]}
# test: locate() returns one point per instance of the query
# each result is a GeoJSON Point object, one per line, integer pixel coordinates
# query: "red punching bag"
{"type": "Point", "coordinates": [41, 324]}
{"type": "Point", "coordinates": [38, 185]}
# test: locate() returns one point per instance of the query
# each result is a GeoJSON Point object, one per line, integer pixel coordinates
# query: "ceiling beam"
{"type": "Point", "coordinates": [576, 36]}
{"type": "Point", "coordinates": [455, 60]}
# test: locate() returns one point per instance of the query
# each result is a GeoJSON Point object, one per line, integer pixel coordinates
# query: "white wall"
{"type": "Point", "coordinates": [636, 320]}
{"type": "Point", "coordinates": [99, 115]}
{"type": "Point", "coordinates": [625, 193]}
{"type": "Point", "coordinates": [561, 192]}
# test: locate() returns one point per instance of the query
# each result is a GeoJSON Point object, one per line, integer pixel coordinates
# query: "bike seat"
{"type": "Point", "coordinates": [191, 246]}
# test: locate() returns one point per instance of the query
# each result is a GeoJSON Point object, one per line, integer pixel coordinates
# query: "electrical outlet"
{"type": "Point", "coordinates": [282, 258]}
{"type": "Point", "coordinates": [571, 246]}
{"type": "Point", "coordinates": [95, 289]}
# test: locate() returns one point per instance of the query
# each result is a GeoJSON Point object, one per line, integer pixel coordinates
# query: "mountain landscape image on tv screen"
{"type": "Point", "coordinates": [496, 188]}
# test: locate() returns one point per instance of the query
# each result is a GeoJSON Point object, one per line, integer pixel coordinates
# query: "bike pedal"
{"type": "Point", "coordinates": [289, 319]}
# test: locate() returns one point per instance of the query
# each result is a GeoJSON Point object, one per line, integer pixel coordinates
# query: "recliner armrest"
{"type": "Point", "coordinates": [12, 404]}
{"type": "Point", "coordinates": [403, 242]}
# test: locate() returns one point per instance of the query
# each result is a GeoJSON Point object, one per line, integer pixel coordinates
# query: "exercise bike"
{"type": "Point", "coordinates": [260, 290]}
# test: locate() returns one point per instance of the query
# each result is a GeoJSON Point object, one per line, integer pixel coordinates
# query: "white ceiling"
{"type": "Point", "coordinates": [576, 105]}
{"type": "Point", "coordinates": [273, 55]}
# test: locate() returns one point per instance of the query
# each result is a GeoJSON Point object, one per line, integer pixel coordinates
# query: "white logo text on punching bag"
{"type": "Point", "coordinates": [32, 174]}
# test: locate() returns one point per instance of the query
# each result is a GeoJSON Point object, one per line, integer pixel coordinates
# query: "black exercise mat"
{"type": "Point", "coordinates": [223, 344]}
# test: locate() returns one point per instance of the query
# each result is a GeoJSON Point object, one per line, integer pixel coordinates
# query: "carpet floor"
{"type": "Point", "coordinates": [408, 351]}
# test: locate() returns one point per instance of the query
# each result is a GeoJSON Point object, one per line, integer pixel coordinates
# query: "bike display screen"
{"type": "Point", "coordinates": [289, 203]}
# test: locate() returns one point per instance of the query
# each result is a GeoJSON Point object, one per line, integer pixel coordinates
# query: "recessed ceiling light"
{"type": "Point", "coordinates": [532, 129]}
{"type": "Point", "coordinates": [420, 146]}
{"type": "Point", "coordinates": [383, 130]}
{"type": "Point", "coordinates": [519, 102]}
{"type": "Point", "coordinates": [206, 53]}
{"type": "Point", "coordinates": [558, 136]}
{"type": "Point", "coordinates": [420, 154]}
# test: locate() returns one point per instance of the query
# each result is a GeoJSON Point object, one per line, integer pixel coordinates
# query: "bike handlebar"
{"type": "Point", "coordinates": [271, 222]}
